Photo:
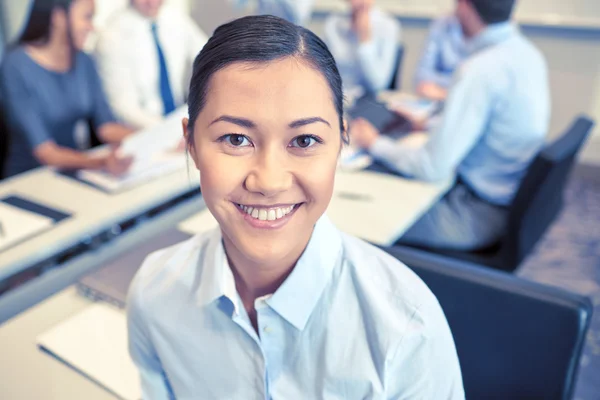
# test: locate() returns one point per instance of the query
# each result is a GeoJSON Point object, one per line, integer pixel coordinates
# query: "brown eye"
{"type": "Point", "coordinates": [303, 141]}
{"type": "Point", "coordinates": [237, 140]}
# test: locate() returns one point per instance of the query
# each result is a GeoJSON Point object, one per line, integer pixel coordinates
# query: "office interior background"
{"type": "Point", "coordinates": [568, 35]}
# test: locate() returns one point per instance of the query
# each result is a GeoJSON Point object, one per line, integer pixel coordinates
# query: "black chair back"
{"type": "Point", "coordinates": [515, 339]}
{"type": "Point", "coordinates": [4, 141]}
{"type": "Point", "coordinates": [540, 195]}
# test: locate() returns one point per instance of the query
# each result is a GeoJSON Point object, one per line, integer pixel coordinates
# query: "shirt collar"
{"type": "Point", "coordinates": [493, 34]}
{"type": "Point", "coordinates": [297, 296]}
{"type": "Point", "coordinates": [145, 20]}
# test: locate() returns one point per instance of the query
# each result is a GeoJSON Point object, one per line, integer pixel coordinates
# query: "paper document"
{"type": "Point", "coordinates": [199, 223]}
{"type": "Point", "coordinates": [17, 224]}
{"type": "Point", "coordinates": [354, 159]}
{"type": "Point", "coordinates": [94, 342]}
{"type": "Point", "coordinates": [418, 107]}
{"type": "Point", "coordinates": [160, 165]}
{"type": "Point", "coordinates": [153, 152]}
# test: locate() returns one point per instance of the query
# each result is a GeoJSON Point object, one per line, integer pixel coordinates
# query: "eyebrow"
{"type": "Point", "coordinates": [307, 121]}
{"type": "Point", "coordinates": [246, 123]}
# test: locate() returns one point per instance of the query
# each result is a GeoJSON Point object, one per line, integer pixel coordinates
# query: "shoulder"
{"type": "Point", "coordinates": [168, 271]}
{"type": "Point", "coordinates": [14, 60]}
{"type": "Point", "coordinates": [385, 22]}
{"type": "Point", "coordinates": [385, 279]}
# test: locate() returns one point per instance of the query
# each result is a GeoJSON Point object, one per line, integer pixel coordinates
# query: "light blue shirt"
{"type": "Point", "coordinates": [444, 51]}
{"type": "Point", "coordinates": [350, 322]}
{"type": "Point", "coordinates": [494, 122]}
{"type": "Point", "coordinates": [370, 65]}
{"type": "Point", "coordinates": [295, 11]}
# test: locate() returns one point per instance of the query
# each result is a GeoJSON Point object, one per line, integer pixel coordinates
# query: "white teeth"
{"type": "Point", "coordinates": [262, 215]}
{"type": "Point", "coordinates": [267, 214]}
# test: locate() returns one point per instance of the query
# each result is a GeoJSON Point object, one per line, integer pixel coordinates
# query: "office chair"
{"type": "Point", "coordinates": [537, 203]}
{"type": "Point", "coordinates": [4, 141]}
{"type": "Point", "coordinates": [515, 339]}
{"type": "Point", "coordinates": [395, 84]}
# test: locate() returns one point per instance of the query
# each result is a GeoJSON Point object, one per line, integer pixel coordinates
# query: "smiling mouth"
{"type": "Point", "coordinates": [267, 213]}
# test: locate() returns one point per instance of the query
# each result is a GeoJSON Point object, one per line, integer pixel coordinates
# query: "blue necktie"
{"type": "Point", "coordinates": [165, 87]}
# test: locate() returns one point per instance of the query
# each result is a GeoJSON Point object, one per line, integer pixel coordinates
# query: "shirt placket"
{"type": "Point", "coordinates": [270, 343]}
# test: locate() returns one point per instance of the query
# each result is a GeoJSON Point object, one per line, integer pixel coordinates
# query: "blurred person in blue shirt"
{"type": "Point", "coordinates": [364, 43]}
{"type": "Point", "coordinates": [444, 50]}
{"type": "Point", "coordinates": [494, 122]}
{"type": "Point", "coordinates": [51, 90]}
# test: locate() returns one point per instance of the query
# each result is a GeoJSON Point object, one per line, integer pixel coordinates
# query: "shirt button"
{"type": "Point", "coordinates": [267, 329]}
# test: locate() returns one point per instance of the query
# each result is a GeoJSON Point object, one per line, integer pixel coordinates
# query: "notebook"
{"type": "Point", "coordinates": [21, 219]}
{"type": "Point", "coordinates": [111, 282]}
{"type": "Point", "coordinates": [94, 343]}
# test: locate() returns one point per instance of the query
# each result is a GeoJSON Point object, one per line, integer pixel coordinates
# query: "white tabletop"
{"type": "Point", "coordinates": [93, 210]}
{"type": "Point", "coordinates": [28, 373]}
{"type": "Point", "coordinates": [379, 207]}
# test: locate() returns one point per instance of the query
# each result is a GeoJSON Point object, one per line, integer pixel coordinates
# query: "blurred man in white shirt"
{"type": "Point", "coordinates": [144, 57]}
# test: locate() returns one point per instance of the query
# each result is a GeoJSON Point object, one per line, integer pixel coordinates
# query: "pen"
{"type": "Point", "coordinates": [354, 196]}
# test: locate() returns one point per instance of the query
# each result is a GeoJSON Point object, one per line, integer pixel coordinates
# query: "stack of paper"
{"type": "Point", "coordinates": [153, 151]}
{"type": "Point", "coordinates": [17, 224]}
{"type": "Point", "coordinates": [94, 342]}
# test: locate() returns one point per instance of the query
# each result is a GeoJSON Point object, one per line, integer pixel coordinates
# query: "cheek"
{"type": "Point", "coordinates": [220, 174]}
{"type": "Point", "coordinates": [317, 181]}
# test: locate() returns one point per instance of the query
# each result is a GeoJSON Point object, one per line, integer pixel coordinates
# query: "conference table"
{"type": "Point", "coordinates": [375, 206]}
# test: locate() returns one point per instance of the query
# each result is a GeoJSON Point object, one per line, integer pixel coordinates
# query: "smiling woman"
{"type": "Point", "coordinates": [277, 303]}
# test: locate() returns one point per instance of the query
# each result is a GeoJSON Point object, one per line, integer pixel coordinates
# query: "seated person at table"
{"type": "Point", "coordinates": [144, 56]}
{"type": "Point", "coordinates": [268, 304]}
{"type": "Point", "coordinates": [444, 51]}
{"type": "Point", "coordinates": [295, 11]}
{"type": "Point", "coordinates": [364, 44]}
{"type": "Point", "coordinates": [494, 123]}
{"type": "Point", "coordinates": [51, 90]}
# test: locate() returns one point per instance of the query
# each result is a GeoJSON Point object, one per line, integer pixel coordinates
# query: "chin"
{"type": "Point", "coordinates": [263, 250]}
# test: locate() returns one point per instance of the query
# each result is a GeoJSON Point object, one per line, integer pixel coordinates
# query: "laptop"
{"type": "Point", "coordinates": [111, 283]}
{"type": "Point", "coordinates": [376, 112]}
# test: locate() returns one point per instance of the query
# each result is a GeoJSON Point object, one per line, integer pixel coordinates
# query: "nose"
{"type": "Point", "coordinates": [270, 175]}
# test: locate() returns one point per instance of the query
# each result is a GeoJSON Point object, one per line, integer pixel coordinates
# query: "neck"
{"type": "Point", "coordinates": [475, 29]}
{"type": "Point", "coordinates": [56, 54]}
{"type": "Point", "coordinates": [257, 278]}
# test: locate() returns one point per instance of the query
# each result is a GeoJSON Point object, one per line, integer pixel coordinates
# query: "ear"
{"type": "Point", "coordinates": [190, 147]}
{"type": "Point", "coordinates": [345, 133]}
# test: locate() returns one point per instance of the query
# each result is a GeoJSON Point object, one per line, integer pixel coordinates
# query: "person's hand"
{"type": "Point", "coordinates": [116, 164]}
{"type": "Point", "coordinates": [417, 124]}
{"type": "Point", "coordinates": [362, 133]}
{"type": "Point", "coordinates": [361, 22]}
{"type": "Point", "coordinates": [432, 91]}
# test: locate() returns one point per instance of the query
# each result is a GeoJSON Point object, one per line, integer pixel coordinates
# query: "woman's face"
{"type": "Point", "coordinates": [81, 14]}
{"type": "Point", "coordinates": [266, 145]}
